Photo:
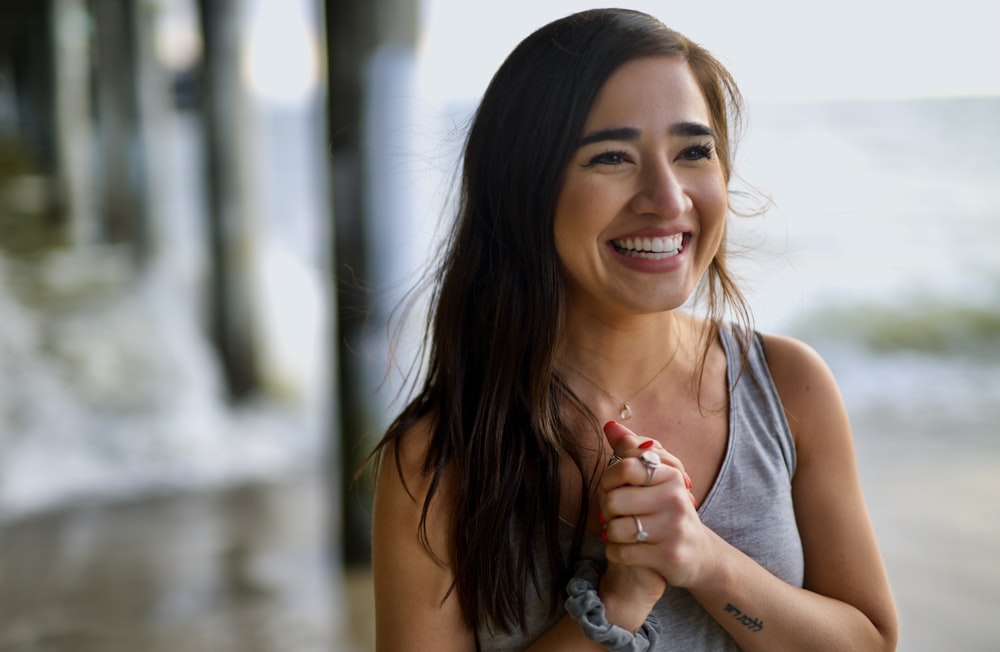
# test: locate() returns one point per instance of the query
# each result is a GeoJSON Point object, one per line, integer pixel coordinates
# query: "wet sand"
{"type": "Point", "coordinates": [250, 569]}
{"type": "Point", "coordinates": [245, 569]}
{"type": "Point", "coordinates": [932, 482]}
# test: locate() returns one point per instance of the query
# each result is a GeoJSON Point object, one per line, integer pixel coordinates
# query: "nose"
{"type": "Point", "coordinates": [662, 192]}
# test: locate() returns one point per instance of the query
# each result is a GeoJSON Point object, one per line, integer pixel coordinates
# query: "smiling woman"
{"type": "Point", "coordinates": [642, 207]}
{"type": "Point", "coordinates": [729, 514]}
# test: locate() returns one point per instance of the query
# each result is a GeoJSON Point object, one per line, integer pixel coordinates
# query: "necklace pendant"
{"type": "Point", "coordinates": [626, 411]}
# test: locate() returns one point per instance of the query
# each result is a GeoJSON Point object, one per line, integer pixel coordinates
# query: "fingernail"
{"type": "Point", "coordinates": [694, 501]}
{"type": "Point", "coordinates": [600, 517]}
{"type": "Point", "coordinates": [607, 424]}
{"type": "Point", "coordinates": [647, 444]}
{"type": "Point", "coordinates": [687, 481]}
{"type": "Point", "coordinates": [604, 536]}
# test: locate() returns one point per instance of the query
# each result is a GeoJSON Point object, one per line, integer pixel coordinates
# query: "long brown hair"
{"type": "Point", "coordinates": [490, 388]}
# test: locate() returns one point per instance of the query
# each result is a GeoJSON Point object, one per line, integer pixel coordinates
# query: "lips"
{"type": "Point", "coordinates": [654, 248]}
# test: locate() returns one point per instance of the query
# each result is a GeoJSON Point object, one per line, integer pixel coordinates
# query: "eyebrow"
{"type": "Point", "coordinates": [631, 133]}
{"type": "Point", "coordinates": [692, 129]}
{"type": "Point", "coordinates": [615, 133]}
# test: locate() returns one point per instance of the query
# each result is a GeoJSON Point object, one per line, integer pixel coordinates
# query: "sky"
{"type": "Point", "coordinates": [778, 50]}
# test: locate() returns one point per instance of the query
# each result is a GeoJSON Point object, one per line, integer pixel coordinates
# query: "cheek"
{"type": "Point", "coordinates": [574, 212]}
{"type": "Point", "coordinates": [562, 230]}
{"type": "Point", "coordinates": [714, 206]}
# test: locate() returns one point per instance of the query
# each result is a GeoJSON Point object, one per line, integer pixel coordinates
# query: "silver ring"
{"type": "Point", "coordinates": [615, 459]}
{"type": "Point", "coordinates": [650, 460]}
{"type": "Point", "coordinates": [640, 534]}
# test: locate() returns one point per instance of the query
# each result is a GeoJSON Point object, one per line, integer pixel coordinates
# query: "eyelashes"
{"type": "Point", "coordinates": [616, 158]}
{"type": "Point", "coordinates": [704, 150]}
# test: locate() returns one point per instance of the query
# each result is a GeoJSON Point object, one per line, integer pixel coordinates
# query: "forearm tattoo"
{"type": "Point", "coordinates": [751, 623]}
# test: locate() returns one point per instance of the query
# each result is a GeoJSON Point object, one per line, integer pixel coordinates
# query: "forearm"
{"type": "Point", "coordinates": [762, 612]}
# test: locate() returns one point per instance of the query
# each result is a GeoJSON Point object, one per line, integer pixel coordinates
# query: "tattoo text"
{"type": "Point", "coordinates": [753, 624]}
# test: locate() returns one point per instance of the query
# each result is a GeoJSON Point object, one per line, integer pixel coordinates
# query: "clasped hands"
{"type": "Point", "coordinates": [652, 532]}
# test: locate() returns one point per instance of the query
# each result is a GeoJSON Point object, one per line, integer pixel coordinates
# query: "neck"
{"type": "Point", "coordinates": [619, 357]}
{"type": "Point", "coordinates": [631, 343]}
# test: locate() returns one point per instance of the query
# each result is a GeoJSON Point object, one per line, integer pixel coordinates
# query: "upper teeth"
{"type": "Point", "coordinates": [655, 245]}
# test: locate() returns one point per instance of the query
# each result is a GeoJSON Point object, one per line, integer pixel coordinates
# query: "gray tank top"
{"type": "Point", "coordinates": [750, 506]}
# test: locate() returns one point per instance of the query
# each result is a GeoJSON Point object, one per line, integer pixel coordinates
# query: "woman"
{"type": "Point", "coordinates": [593, 206]}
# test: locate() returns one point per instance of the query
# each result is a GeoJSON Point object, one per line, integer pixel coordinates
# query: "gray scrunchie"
{"type": "Point", "coordinates": [585, 606]}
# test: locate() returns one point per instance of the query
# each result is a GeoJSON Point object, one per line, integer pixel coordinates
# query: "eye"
{"type": "Point", "coordinates": [701, 151]}
{"type": "Point", "coordinates": [613, 158]}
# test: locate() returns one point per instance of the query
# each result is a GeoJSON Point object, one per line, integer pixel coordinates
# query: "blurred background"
{"type": "Point", "coordinates": [210, 208]}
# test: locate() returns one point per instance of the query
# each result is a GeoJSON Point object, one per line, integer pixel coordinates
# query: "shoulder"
{"type": "Point", "coordinates": [412, 508]}
{"type": "Point", "coordinates": [405, 455]}
{"type": "Point", "coordinates": [805, 384]}
{"type": "Point", "coordinates": [792, 361]}
{"type": "Point", "coordinates": [403, 479]}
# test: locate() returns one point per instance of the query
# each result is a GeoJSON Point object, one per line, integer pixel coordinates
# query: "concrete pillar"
{"type": "Point", "coordinates": [357, 31]}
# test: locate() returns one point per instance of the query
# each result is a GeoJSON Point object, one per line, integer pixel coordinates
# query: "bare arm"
{"type": "Point", "coordinates": [846, 602]}
{"type": "Point", "coordinates": [410, 582]}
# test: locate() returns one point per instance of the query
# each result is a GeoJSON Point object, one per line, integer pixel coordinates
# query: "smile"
{"type": "Point", "coordinates": [651, 248]}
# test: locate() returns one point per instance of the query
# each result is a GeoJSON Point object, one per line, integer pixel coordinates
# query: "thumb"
{"type": "Point", "coordinates": [621, 438]}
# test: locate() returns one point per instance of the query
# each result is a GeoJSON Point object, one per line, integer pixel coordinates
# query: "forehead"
{"type": "Point", "coordinates": [649, 90]}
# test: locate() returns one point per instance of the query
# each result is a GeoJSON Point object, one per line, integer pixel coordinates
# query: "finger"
{"type": "Point", "coordinates": [620, 438]}
{"type": "Point", "coordinates": [643, 470]}
{"type": "Point", "coordinates": [629, 529]}
{"type": "Point", "coordinates": [667, 493]}
{"type": "Point", "coordinates": [626, 443]}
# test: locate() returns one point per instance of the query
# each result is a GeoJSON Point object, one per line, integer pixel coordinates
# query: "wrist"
{"type": "Point", "coordinates": [585, 605]}
{"type": "Point", "coordinates": [622, 608]}
{"type": "Point", "coordinates": [715, 569]}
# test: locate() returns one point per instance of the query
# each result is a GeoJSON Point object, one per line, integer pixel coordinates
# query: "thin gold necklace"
{"type": "Point", "coordinates": [625, 411]}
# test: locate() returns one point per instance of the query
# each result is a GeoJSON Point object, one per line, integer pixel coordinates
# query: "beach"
{"type": "Point", "coordinates": [251, 568]}
{"type": "Point", "coordinates": [246, 568]}
{"type": "Point", "coordinates": [934, 496]}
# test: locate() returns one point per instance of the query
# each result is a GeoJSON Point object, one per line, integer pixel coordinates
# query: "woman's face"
{"type": "Point", "coordinates": [643, 205]}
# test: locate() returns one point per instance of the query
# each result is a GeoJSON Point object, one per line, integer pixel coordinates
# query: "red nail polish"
{"type": "Point", "coordinates": [604, 536]}
{"type": "Point", "coordinates": [647, 444]}
{"type": "Point", "coordinates": [607, 424]}
{"type": "Point", "coordinates": [600, 518]}
{"type": "Point", "coordinates": [687, 481]}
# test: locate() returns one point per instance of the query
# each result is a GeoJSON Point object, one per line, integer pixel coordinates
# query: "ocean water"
{"type": "Point", "coordinates": [882, 244]}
